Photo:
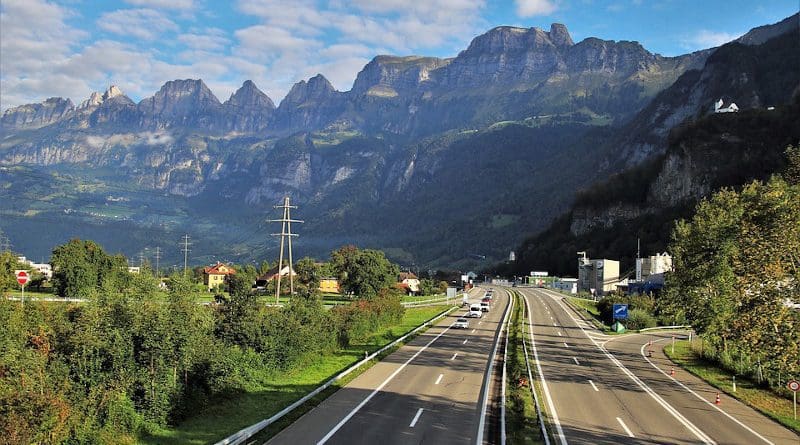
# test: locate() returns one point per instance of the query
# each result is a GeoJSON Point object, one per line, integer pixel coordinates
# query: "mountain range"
{"type": "Point", "coordinates": [437, 161]}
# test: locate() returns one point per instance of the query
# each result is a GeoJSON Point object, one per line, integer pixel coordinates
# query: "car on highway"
{"type": "Point", "coordinates": [484, 306]}
{"type": "Point", "coordinates": [475, 311]}
{"type": "Point", "coordinates": [486, 300]}
{"type": "Point", "coordinates": [461, 323]}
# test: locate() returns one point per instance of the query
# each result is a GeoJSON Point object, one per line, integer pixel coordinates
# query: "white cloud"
{"type": "Point", "coordinates": [163, 4]}
{"type": "Point", "coordinates": [708, 39]}
{"type": "Point", "coordinates": [145, 24]}
{"type": "Point", "coordinates": [530, 8]}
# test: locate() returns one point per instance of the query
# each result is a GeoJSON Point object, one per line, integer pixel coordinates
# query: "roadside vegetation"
{"type": "Point", "coordinates": [737, 276]}
{"type": "Point", "coordinates": [135, 359]}
{"type": "Point", "coordinates": [774, 405]}
{"type": "Point", "coordinates": [521, 420]}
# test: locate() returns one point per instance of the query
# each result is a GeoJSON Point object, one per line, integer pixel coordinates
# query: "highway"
{"type": "Point", "coordinates": [604, 390]}
{"type": "Point", "coordinates": [428, 391]}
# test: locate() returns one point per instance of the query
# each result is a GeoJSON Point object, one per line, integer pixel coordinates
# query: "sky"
{"type": "Point", "coordinates": [70, 48]}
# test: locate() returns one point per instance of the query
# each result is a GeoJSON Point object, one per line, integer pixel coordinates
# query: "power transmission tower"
{"type": "Point", "coordinates": [158, 257]}
{"type": "Point", "coordinates": [185, 249]}
{"type": "Point", "coordinates": [286, 234]}
{"type": "Point", "coordinates": [5, 243]}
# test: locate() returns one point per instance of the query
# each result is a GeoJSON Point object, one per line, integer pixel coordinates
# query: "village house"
{"type": "Point", "coordinates": [272, 275]}
{"type": "Point", "coordinates": [329, 286]}
{"type": "Point", "coordinates": [216, 275]}
{"type": "Point", "coordinates": [408, 282]}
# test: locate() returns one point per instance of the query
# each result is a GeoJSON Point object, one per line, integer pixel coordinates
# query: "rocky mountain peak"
{"type": "Point", "coordinates": [112, 92]}
{"type": "Point", "coordinates": [317, 88]}
{"type": "Point", "coordinates": [392, 74]}
{"type": "Point", "coordinates": [94, 100]}
{"type": "Point", "coordinates": [37, 115]}
{"type": "Point", "coordinates": [249, 96]}
{"type": "Point", "coordinates": [559, 35]}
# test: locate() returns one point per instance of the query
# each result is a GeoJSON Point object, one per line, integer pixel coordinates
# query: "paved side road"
{"type": "Point", "coordinates": [428, 391]}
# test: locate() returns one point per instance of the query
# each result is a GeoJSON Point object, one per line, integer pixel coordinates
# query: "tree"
{"type": "Point", "coordinates": [8, 264]}
{"type": "Point", "coordinates": [363, 272]}
{"type": "Point", "coordinates": [308, 274]}
{"type": "Point", "coordinates": [80, 268]}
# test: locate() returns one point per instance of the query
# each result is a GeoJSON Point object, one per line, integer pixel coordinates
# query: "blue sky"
{"type": "Point", "coordinates": [70, 48]}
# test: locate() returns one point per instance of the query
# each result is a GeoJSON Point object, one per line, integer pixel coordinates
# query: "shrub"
{"type": "Point", "coordinates": [639, 319]}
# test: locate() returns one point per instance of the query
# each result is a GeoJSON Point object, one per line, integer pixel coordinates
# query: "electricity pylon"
{"type": "Point", "coordinates": [286, 234]}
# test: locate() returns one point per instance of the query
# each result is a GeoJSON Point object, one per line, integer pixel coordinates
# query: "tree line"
{"type": "Point", "coordinates": [737, 272]}
{"type": "Point", "coordinates": [135, 357]}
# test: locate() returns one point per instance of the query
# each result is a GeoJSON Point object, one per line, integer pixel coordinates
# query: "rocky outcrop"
{"type": "Point", "coordinates": [181, 103]}
{"type": "Point", "coordinates": [391, 76]}
{"type": "Point", "coordinates": [38, 115]}
{"type": "Point", "coordinates": [248, 110]}
{"type": "Point", "coordinates": [311, 104]}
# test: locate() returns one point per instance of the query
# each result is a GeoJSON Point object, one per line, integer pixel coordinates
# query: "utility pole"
{"type": "Point", "coordinates": [5, 243]}
{"type": "Point", "coordinates": [286, 233]}
{"type": "Point", "coordinates": [158, 257]}
{"type": "Point", "coordinates": [185, 249]}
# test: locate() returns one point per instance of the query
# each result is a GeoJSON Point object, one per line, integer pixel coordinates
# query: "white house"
{"type": "Point", "coordinates": [718, 108]}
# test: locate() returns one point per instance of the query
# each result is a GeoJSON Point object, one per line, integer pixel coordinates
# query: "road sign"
{"type": "Point", "coordinates": [22, 276]}
{"type": "Point", "coordinates": [793, 385]}
{"type": "Point", "coordinates": [620, 311]}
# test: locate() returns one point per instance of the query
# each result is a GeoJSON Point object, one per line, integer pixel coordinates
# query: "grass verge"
{"type": "Point", "coordinates": [277, 391]}
{"type": "Point", "coordinates": [522, 425]}
{"type": "Point", "coordinates": [764, 400]}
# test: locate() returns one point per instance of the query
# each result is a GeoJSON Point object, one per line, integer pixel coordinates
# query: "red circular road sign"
{"type": "Point", "coordinates": [22, 277]}
{"type": "Point", "coordinates": [793, 385]}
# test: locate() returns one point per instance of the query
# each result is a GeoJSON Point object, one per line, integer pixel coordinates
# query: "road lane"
{"type": "Point", "coordinates": [588, 415]}
{"type": "Point", "coordinates": [443, 412]}
{"type": "Point", "coordinates": [730, 422]}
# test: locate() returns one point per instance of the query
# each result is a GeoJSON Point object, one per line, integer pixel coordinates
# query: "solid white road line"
{"type": "Point", "coordinates": [377, 390]}
{"type": "Point", "coordinates": [550, 405]}
{"type": "Point", "coordinates": [416, 417]}
{"type": "Point", "coordinates": [465, 341]}
{"type": "Point", "coordinates": [625, 427]}
{"type": "Point", "coordinates": [439, 379]}
{"type": "Point", "coordinates": [454, 356]}
{"type": "Point", "coordinates": [670, 409]}
{"type": "Point", "coordinates": [576, 360]}
{"type": "Point", "coordinates": [641, 350]}
{"type": "Point", "coordinates": [593, 386]}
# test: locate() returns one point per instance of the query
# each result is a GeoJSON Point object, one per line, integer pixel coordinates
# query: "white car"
{"type": "Point", "coordinates": [475, 311]}
{"type": "Point", "coordinates": [461, 323]}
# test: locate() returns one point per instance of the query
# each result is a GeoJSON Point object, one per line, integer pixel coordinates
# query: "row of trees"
{"type": "Point", "coordinates": [737, 265]}
{"type": "Point", "coordinates": [136, 357]}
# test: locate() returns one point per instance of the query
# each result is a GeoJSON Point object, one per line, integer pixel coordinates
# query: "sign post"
{"type": "Point", "coordinates": [22, 279]}
{"type": "Point", "coordinates": [794, 386]}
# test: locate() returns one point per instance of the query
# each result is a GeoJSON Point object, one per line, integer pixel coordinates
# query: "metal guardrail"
{"type": "Point", "coordinates": [484, 399]}
{"type": "Point", "coordinates": [536, 402]}
{"type": "Point", "coordinates": [245, 433]}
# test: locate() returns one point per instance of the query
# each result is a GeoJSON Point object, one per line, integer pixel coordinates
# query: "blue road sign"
{"type": "Point", "coordinates": [620, 311]}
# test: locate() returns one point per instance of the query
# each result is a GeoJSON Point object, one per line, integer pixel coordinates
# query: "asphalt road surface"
{"type": "Point", "coordinates": [604, 390]}
{"type": "Point", "coordinates": [427, 392]}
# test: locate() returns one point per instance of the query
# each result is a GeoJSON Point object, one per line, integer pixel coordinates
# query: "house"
{"type": "Point", "coordinates": [216, 275]}
{"type": "Point", "coordinates": [272, 275]}
{"type": "Point", "coordinates": [329, 285]}
{"type": "Point", "coordinates": [569, 285]}
{"type": "Point", "coordinates": [134, 269]}
{"type": "Point", "coordinates": [43, 268]}
{"type": "Point", "coordinates": [718, 108]}
{"type": "Point", "coordinates": [408, 282]}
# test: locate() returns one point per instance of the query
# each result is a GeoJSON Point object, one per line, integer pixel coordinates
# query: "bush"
{"type": "Point", "coordinates": [639, 319]}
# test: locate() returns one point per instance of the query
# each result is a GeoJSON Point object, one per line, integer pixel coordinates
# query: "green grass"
{"type": "Point", "coordinates": [764, 400]}
{"type": "Point", "coordinates": [415, 298]}
{"type": "Point", "coordinates": [278, 391]}
{"type": "Point", "coordinates": [589, 306]}
{"type": "Point", "coordinates": [521, 421]}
